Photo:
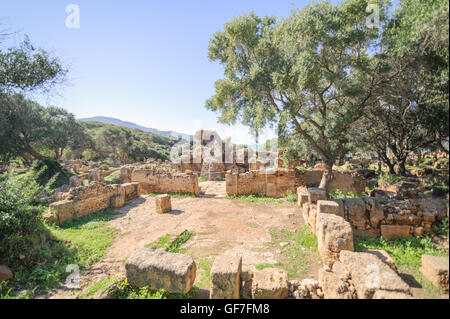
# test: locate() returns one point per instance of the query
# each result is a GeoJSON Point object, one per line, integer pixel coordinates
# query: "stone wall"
{"type": "Point", "coordinates": [276, 182]}
{"type": "Point", "coordinates": [372, 217]}
{"type": "Point", "coordinates": [154, 181]}
{"type": "Point", "coordinates": [85, 200]}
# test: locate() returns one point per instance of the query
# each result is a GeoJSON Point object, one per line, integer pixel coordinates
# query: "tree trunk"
{"type": "Point", "coordinates": [327, 174]}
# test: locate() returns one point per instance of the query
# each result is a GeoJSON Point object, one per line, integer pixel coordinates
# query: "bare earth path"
{"type": "Point", "coordinates": [220, 225]}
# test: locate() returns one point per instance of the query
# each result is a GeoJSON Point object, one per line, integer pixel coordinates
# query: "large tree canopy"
{"type": "Point", "coordinates": [312, 73]}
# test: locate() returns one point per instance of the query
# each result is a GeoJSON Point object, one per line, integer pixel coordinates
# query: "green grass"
{"type": "Point", "coordinates": [115, 176]}
{"type": "Point", "coordinates": [51, 249]}
{"type": "Point", "coordinates": [201, 180]}
{"type": "Point", "coordinates": [173, 246]}
{"type": "Point", "coordinates": [204, 266]}
{"type": "Point", "coordinates": [124, 291]}
{"type": "Point", "coordinates": [442, 228]}
{"type": "Point", "coordinates": [390, 179]}
{"type": "Point", "coordinates": [300, 251]}
{"type": "Point", "coordinates": [407, 255]}
{"type": "Point", "coordinates": [262, 266]}
{"type": "Point", "coordinates": [339, 194]}
{"type": "Point", "coordinates": [256, 199]}
{"type": "Point", "coordinates": [100, 286]}
{"type": "Point", "coordinates": [90, 236]}
{"type": "Point", "coordinates": [174, 195]}
{"type": "Point", "coordinates": [290, 197]}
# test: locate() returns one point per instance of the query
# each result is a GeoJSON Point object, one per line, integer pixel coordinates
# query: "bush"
{"type": "Point", "coordinates": [48, 172]}
{"type": "Point", "coordinates": [18, 216]}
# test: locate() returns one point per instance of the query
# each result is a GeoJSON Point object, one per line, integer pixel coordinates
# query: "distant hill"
{"type": "Point", "coordinates": [114, 121]}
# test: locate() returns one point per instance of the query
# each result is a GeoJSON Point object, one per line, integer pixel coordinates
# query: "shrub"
{"type": "Point", "coordinates": [291, 197]}
{"type": "Point", "coordinates": [49, 172]}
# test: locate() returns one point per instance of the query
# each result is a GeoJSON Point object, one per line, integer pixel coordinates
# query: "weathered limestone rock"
{"type": "Point", "coordinates": [392, 231]}
{"type": "Point", "coordinates": [302, 195]}
{"type": "Point", "coordinates": [5, 273]}
{"type": "Point", "coordinates": [75, 181]}
{"type": "Point", "coordinates": [316, 194]}
{"type": "Point", "coordinates": [334, 285]}
{"type": "Point", "coordinates": [270, 283]}
{"type": "Point", "coordinates": [356, 209]}
{"type": "Point", "coordinates": [384, 294]}
{"type": "Point", "coordinates": [95, 176]}
{"type": "Point", "coordinates": [334, 234]}
{"type": "Point", "coordinates": [131, 190]}
{"type": "Point", "coordinates": [383, 256]}
{"type": "Point", "coordinates": [226, 277]}
{"type": "Point", "coordinates": [308, 289]}
{"type": "Point", "coordinates": [64, 210]}
{"type": "Point", "coordinates": [125, 174]}
{"type": "Point", "coordinates": [370, 274]}
{"type": "Point", "coordinates": [118, 200]}
{"type": "Point", "coordinates": [435, 269]}
{"type": "Point", "coordinates": [163, 204]}
{"type": "Point", "coordinates": [330, 207]}
{"type": "Point", "coordinates": [157, 269]}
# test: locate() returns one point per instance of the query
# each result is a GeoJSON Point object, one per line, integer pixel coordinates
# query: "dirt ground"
{"type": "Point", "coordinates": [220, 225]}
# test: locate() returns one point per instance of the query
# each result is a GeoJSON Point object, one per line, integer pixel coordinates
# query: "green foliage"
{"type": "Point", "coordinates": [300, 249]}
{"type": "Point", "coordinates": [124, 291]}
{"type": "Point", "coordinates": [406, 252]}
{"type": "Point", "coordinates": [28, 68]}
{"type": "Point", "coordinates": [291, 197]}
{"type": "Point", "coordinates": [201, 180]}
{"type": "Point", "coordinates": [48, 172]}
{"type": "Point", "coordinates": [386, 178]}
{"type": "Point", "coordinates": [256, 199]}
{"type": "Point", "coordinates": [442, 228]}
{"type": "Point", "coordinates": [113, 177]}
{"type": "Point", "coordinates": [262, 266]}
{"type": "Point", "coordinates": [312, 74]}
{"type": "Point", "coordinates": [170, 245]}
{"type": "Point", "coordinates": [204, 265]}
{"type": "Point", "coordinates": [339, 194]}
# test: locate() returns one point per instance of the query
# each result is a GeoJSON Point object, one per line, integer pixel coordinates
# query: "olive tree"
{"type": "Point", "coordinates": [312, 73]}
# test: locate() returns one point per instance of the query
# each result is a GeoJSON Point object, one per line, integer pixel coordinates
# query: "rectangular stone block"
{"type": "Point", "coordinates": [435, 269]}
{"type": "Point", "coordinates": [330, 207]}
{"type": "Point", "coordinates": [302, 196]}
{"type": "Point", "coordinates": [393, 231]}
{"type": "Point", "coordinates": [316, 194]}
{"type": "Point", "coordinates": [163, 204]}
{"type": "Point", "coordinates": [225, 277]}
{"type": "Point", "coordinates": [158, 269]}
{"type": "Point", "coordinates": [64, 210]}
{"type": "Point", "coordinates": [270, 283]}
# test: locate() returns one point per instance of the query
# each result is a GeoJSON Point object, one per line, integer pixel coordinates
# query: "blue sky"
{"type": "Point", "coordinates": [139, 61]}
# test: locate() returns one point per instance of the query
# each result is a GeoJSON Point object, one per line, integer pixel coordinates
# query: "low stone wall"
{"type": "Point", "coordinates": [372, 217]}
{"type": "Point", "coordinates": [85, 200]}
{"type": "Point", "coordinates": [276, 182]}
{"type": "Point", "coordinates": [154, 181]}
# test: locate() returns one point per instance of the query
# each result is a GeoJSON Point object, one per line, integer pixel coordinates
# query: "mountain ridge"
{"type": "Point", "coordinates": [118, 122]}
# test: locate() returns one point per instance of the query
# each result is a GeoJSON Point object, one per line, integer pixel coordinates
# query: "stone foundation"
{"type": "Point", "coordinates": [152, 180]}
{"type": "Point", "coordinates": [277, 182]}
{"type": "Point", "coordinates": [85, 200]}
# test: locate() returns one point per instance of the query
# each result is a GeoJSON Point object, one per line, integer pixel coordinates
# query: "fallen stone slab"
{"type": "Point", "coordinates": [384, 257]}
{"type": "Point", "coordinates": [226, 277]}
{"type": "Point", "coordinates": [5, 273]}
{"type": "Point", "coordinates": [435, 269]}
{"type": "Point", "coordinates": [163, 204]}
{"type": "Point", "coordinates": [370, 274]}
{"type": "Point", "coordinates": [334, 234]}
{"type": "Point", "coordinates": [270, 283]}
{"type": "Point", "coordinates": [158, 269]}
